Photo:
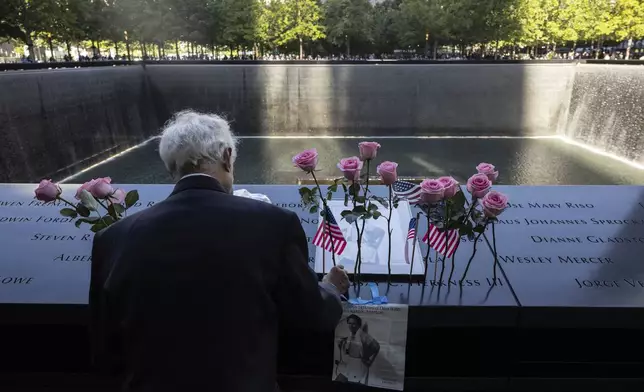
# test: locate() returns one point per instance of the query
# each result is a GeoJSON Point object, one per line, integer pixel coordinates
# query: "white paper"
{"type": "Point", "coordinates": [370, 346]}
{"type": "Point", "coordinates": [254, 196]}
{"type": "Point", "coordinates": [375, 245]}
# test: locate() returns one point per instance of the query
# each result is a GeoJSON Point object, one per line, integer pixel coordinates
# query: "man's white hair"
{"type": "Point", "coordinates": [191, 139]}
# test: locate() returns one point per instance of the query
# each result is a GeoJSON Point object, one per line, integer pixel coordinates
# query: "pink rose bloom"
{"type": "Point", "coordinates": [431, 191]}
{"type": "Point", "coordinates": [98, 187]}
{"type": "Point", "coordinates": [351, 168]}
{"type": "Point", "coordinates": [494, 203]}
{"type": "Point", "coordinates": [118, 197]}
{"type": "Point", "coordinates": [307, 160]}
{"type": "Point", "coordinates": [102, 188]}
{"type": "Point", "coordinates": [450, 185]}
{"type": "Point", "coordinates": [387, 171]}
{"type": "Point", "coordinates": [368, 150]}
{"type": "Point", "coordinates": [478, 185]}
{"type": "Point", "coordinates": [85, 187]}
{"type": "Point", "coordinates": [489, 170]}
{"type": "Point", "coordinates": [47, 191]}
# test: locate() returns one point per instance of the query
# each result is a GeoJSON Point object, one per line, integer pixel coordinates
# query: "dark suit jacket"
{"type": "Point", "coordinates": [187, 295]}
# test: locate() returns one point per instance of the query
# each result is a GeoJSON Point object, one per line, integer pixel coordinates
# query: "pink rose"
{"type": "Point", "coordinates": [489, 170]}
{"type": "Point", "coordinates": [307, 160]}
{"type": "Point", "coordinates": [387, 171]}
{"type": "Point", "coordinates": [102, 188]}
{"type": "Point", "coordinates": [494, 203]}
{"type": "Point", "coordinates": [450, 185]}
{"type": "Point", "coordinates": [351, 168]}
{"type": "Point", "coordinates": [99, 188]}
{"type": "Point", "coordinates": [85, 187]}
{"type": "Point", "coordinates": [478, 185]}
{"type": "Point", "coordinates": [431, 191]}
{"type": "Point", "coordinates": [118, 197]}
{"type": "Point", "coordinates": [368, 150]}
{"type": "Point", "coordinates": [47, 191]}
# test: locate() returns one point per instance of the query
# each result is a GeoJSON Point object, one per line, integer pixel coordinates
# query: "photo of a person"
{"type": "Point", "coordinates": [356, 353]}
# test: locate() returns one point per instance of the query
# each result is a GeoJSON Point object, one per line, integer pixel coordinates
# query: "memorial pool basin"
{"type": "Point", "coordinates": [521, 161]}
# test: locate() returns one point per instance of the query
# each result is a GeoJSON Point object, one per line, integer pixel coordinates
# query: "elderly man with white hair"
{"type": "Point", "coordinates": [189, 294]}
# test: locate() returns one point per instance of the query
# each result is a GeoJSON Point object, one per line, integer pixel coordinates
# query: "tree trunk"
{"type": "Point", "coordinates": [144, 51]}
{"type": "Point", "coordinates": [78, 52]}
{"type": "Point", "coordinates": [348, 47]}
{"type": "Point", "coordinates": [69, 50]}
{"type": "Point", "coordinates": [116, 48]}
{"type": "Point", "coordinates": [628, 49]}
{"type": "Point", "coordinates": [231, 52]}
{"type": "Point", "coordinates": [30, 46]}
{"type": "Point", "coordinates": [176, 47]}
{"type": "Point", "coordinates": [435, 50]}
{"type": "Point", "coordinates": [301, 48]}
{"type": "Point", "coordinates": [159, 50]}
{"type": "Point", "coordinates": [51, 47]}
{"type": "Point", "coordinates": [427, 44]}
{"type": "Point", "coordinates": [127, 49]}
{"type": "Point", "coordinates": [496, 50]}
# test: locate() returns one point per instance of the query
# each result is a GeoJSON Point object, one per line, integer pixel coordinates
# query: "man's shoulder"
{"type": "Point", "coordinates": [228, 203]}
{"type": "Point", "coordinates": [260, 207]}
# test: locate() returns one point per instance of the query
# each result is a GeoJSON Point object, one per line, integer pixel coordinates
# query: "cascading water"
{"type": "Point", "coordinates": [607, 109]}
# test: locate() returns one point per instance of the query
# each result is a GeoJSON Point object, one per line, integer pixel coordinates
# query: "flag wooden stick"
{"type": "Point", "coordinates": [413, 248]}
{"type": "Point", "coordinates": [435, 261]}
{"type": "Point", "coordinates": [324, 246]}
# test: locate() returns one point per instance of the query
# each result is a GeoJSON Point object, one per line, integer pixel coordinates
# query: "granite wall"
{"type": "Point", "coordinates": [497, 99]}
{"type": "Point", "coordinates": [607, 109]}
{"type": "Point", "coordinates": [53, 123]}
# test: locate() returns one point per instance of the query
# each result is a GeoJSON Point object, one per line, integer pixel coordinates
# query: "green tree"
{"type": "Point", "coordinates": [348, 21]}
{"type": "Point", "coordinates": [268, 25]}
{"type": "Point", "coordinates": [239, 22]}
{"type": "Point", "coordinates": [299, 20]}
{"type": "Point", "coordinates": [628, 21]}
{"type": "Point", "coordinates": [383, 33]}
{"type": "Point", "coordinates": [71, 29]}
{"type": "Point", "coordinates": [24, 19]}
{"type": "Point", "coordinates": [419, 21]}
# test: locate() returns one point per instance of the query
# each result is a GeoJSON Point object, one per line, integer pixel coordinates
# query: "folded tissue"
{"type": "Point", "coordinates": [254, 196]}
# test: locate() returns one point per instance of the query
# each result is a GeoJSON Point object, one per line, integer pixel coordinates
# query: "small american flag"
{"type": "Point", "coordinates": [334, 242]}
{"type": "Point", "coordinates": [407, 190]}
{"type": "Point", "coordinates": [438, 241]}
{"type": "Point", "coordinates": [411, 234]}
{"type": "Point", "coordinates": [412, 229]}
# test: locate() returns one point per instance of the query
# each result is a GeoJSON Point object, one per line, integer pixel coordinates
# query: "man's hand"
{"type": "Point", "coordinates": [339, 278]}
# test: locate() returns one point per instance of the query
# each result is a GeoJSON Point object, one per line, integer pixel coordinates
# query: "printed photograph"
{"type": "Point", "coordinates": [370, 344]}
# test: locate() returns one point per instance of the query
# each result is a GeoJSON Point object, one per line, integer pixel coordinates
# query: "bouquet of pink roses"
{"type": "Point", "coordinates": [97, 197]}
{"type": "Point", "coordinates": [450, 216]}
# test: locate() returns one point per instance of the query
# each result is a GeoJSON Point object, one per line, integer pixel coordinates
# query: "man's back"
{"type": "Point", "coordinates": [193, 289]}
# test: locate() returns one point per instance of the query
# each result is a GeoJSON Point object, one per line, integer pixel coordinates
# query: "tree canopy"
{"type": "Point", "coordinates": [338, 26]}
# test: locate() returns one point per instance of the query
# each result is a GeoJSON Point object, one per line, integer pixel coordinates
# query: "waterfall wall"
{"type": "Point", "coordinates": [53, 123]}
{"type": "Point", "coordinates": [607, 109]}
{"type": "Point", "coordinates": [372, 99]}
